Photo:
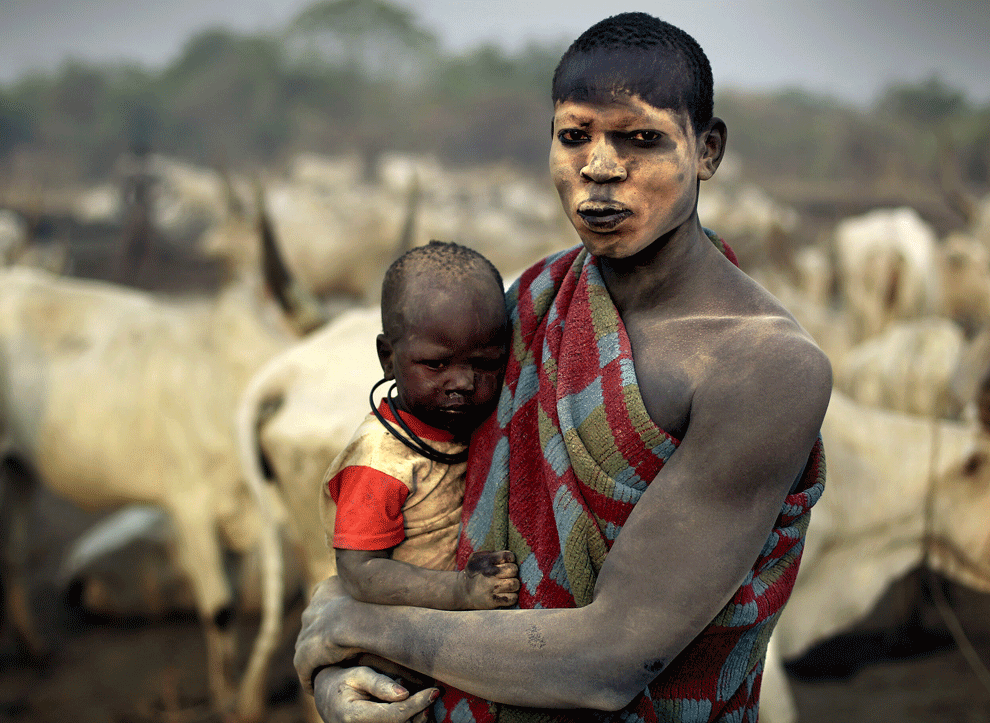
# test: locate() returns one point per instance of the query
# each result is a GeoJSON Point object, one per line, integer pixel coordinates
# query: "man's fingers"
{"type": "Point", "coordinates": [419, 703]}
{"type": "Point", "coordinates": [305, 664]}
{"type": "Point", "coordinates": [376, 685]}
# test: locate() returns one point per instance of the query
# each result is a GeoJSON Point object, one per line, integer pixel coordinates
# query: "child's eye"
{"type": "Point", "coordinates": [434, 364]}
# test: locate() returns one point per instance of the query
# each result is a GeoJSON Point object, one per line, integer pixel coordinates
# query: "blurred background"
{"type": "Point", "coordinates": [257, 166]}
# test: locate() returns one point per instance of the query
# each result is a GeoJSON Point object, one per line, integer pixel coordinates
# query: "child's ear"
{"type": "Point", "coordinates": [714, 148]}
{"type": "Point", "coordinates": [385, 355]}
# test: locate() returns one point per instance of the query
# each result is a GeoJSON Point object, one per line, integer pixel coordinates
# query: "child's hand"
{"type": "Point", "coordinates": [490, 580]}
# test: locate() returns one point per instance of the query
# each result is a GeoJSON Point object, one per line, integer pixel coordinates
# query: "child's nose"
{"type": "Point", "coordinates": [460, 379]}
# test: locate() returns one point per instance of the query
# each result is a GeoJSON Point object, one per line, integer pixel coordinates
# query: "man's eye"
{"type": "Point", "coordinates": [570, 136]}
{"type": "Point", "coordinates": [645, 137]}
{"type": "Point", "coordinates": [435, 364]}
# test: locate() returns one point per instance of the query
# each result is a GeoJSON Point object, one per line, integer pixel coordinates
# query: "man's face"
{"type": "Point", "coordinates": [626, 171]}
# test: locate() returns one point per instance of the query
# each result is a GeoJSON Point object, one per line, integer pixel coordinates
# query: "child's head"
{"type": "Point", "coordinates": [444, 335]}
{"type": "Point", "coordinates": [638, 54]}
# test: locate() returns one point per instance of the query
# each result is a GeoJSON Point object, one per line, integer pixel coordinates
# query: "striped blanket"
{"type": "Point", "coordinates": [555, 473]}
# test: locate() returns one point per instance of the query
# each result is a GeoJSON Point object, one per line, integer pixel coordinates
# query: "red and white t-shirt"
{"type": "Point", "coordinates": [379, 494]}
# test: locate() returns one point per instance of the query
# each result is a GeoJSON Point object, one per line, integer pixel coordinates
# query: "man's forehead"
{"type": "Point", "coordinates": [657, 77]}
{"type": "Point", "coordinates": [620, 110]}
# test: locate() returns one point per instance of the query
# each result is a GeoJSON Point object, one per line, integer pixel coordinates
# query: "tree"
{"type": "Point", "coordinates": [373, 37]}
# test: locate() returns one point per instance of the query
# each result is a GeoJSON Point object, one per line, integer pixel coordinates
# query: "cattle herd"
{"type": "Point", "coordinates": [221, 409]}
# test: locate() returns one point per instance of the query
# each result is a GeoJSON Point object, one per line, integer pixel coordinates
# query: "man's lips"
{"type": "Point", "coordinates": [602, 216]}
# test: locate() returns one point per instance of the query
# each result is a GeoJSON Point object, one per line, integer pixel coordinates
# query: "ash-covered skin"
{"type": "Point", "coordinates": [598, 76]}
{"type": "Point", "coordinates": [449, 362]}
{"type": "Point", "coordinates": [626, 172]}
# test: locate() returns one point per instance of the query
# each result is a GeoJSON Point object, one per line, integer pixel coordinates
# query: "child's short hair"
{"type": "Point", "coordinates": [450, 261]}
{"type": "Point", "coordinates": [665, 55]}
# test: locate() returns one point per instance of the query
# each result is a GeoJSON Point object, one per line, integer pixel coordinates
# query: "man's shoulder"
{"type": "Point", "coordinates": [774, 340]}
{"type": "Point", "coordinates": [772, 359]}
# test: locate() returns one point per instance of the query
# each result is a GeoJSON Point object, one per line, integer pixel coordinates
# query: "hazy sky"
{"type": "Point", "coordinates": [849, 48]}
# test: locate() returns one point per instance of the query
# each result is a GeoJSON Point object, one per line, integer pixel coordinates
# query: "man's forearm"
{"type": "Point", "coordinates": [504, 655]}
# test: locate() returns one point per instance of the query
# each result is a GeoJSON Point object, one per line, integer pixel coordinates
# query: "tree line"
{"type": "Point", "coordinates": [363, 75]}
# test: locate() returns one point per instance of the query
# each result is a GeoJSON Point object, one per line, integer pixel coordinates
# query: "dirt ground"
{"type": "Point", "coordinates": [113, 671]}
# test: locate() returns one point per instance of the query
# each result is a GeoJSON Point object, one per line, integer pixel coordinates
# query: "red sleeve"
{"type": "Point", "coordinates": [369, 509]}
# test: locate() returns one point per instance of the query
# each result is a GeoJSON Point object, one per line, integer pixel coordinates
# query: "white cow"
{"type": "Point", "coordinates": [887, 267]}
{"type": "Point", "coordinates": [909, 367]}
{"type": "Point", "coordinates": [299, 411]}
{"type": "Point", "coordinates": [885, 469]}
{"type": "Point", "coordinates": [112, 396]}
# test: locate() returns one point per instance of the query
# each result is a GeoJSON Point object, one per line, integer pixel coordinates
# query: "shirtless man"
{"type": "Point", "coordinates": [674, 624]}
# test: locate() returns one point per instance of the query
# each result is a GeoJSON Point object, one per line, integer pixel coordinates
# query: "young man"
{"type": "Point", "coordinates": [659, 406]}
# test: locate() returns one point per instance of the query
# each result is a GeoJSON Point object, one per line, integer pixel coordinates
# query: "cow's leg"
{"type": "Point", "coordinates": [201, 558]}
{"type": "Point", "coordinates": [17, 485]}
{"type": "Point", "coordinates": [776, 702]}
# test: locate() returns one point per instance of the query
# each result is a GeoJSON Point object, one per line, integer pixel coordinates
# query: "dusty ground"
{"type": "Point", "coordinates": [107, 671]}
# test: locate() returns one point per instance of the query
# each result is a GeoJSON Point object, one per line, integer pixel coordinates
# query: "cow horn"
{"type": "Point", "coordinates": [301, 307]}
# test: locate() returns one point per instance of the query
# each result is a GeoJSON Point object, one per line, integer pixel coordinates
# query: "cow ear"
{"type": "Point", "coordinates": [386, 355]}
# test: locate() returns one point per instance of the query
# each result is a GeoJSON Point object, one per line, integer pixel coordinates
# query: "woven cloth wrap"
{"type": "Point", "coordinates": [554, 474]}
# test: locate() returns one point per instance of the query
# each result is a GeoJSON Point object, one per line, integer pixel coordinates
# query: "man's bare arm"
{"type": "Point", "coordinates": [489, 580]}
{"type": "Point", "coordinates": [684, 550]}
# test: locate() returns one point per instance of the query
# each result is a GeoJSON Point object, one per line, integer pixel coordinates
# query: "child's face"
{"type": "Point", "coordinates": [448, 365]}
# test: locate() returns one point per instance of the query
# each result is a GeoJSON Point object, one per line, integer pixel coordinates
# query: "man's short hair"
{"type": "Point", "coordinates": [451, 262]}
{"type": "Point", "coordinates": [659, 62]}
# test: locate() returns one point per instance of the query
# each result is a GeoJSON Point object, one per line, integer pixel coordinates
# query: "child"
{"type": "Point", "coordinates": [398, 486]}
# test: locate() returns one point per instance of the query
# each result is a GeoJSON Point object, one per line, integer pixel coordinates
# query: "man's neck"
{"type": "Point", "coordinates": [663, 274]}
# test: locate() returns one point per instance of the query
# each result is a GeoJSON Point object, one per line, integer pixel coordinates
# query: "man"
{"type": "Point", "coordinates": [653, 389]}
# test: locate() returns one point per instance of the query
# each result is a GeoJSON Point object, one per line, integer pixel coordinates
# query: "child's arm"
{"type": "Point", "coordinates": [490, 580]}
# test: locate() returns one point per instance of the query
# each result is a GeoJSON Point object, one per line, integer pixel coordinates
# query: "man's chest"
{"type": "Point", "coordinates": [671, 360]}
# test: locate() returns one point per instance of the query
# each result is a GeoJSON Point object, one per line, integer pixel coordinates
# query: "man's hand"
{"type": "Point", "coordinates": [360, 695]}
{"type": "Point", "coordinates": [490, 580]}
{"type": "Point", "coordinates": [315, 647]}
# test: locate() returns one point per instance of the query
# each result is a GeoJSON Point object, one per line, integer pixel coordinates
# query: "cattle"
{"type": "Point", "coordinates": [910, 367]}
{"type": "Point", "coordinates": [112, 396]}
{"type": "Point", "coordinates": [964, 266]}
{"type": "Point", "coordinates": [299, 411]}
{"type": "Point", "coordinates": [295, 415]}
{"type": "Point", "coordinates": [902, 490]}
{"type": "Point", "coordinates": [887, 265]}
{"type": "Point", "coordinates": [338, 228]}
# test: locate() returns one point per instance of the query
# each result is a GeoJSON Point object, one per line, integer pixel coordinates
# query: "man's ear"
{"type": "Point", "coordinates": [385, 355]}
{"type": "Point", "coordinates": [714, 139]}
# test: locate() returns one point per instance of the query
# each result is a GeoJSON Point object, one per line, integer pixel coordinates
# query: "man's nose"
{"type": "Point", "coordinates": [604, 165]}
